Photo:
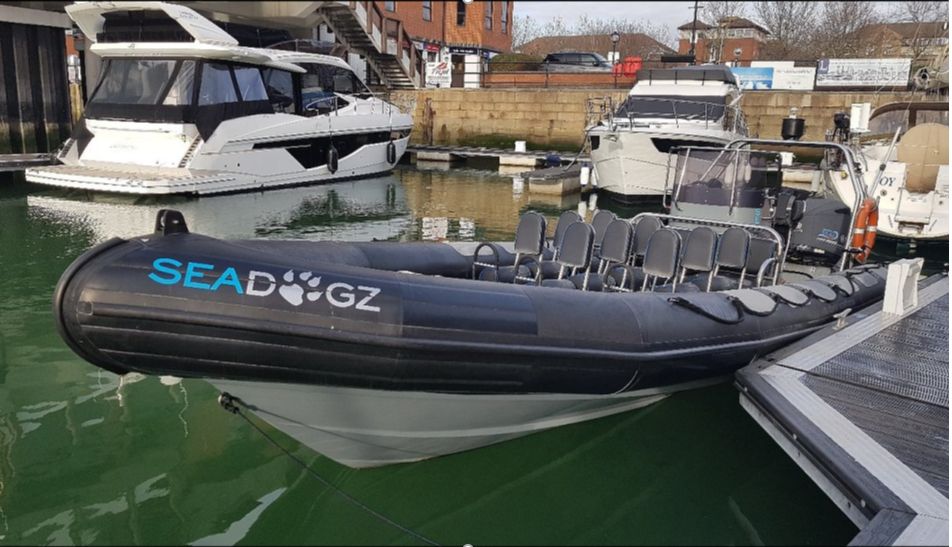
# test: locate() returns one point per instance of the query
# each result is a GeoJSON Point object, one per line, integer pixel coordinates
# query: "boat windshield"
{"type": "Point", "coordinates": [135, 81]}
{"type": "Point", "coordinates": [718, 176]}
{"type": "Point", "coordinates": [321, 83]}
{"type": "Point", "coordinates": [684, 108]}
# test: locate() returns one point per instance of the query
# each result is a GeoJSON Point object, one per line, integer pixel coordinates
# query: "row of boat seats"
{"type": "Point", "coordinates": [627, 257]}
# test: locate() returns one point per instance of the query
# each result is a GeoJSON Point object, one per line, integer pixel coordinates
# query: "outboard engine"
{"type": "Point", "coordinates": [820, 237]}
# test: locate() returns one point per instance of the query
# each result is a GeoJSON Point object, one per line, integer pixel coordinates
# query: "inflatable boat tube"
{"type": "Point", "coordinates": [408, 317]}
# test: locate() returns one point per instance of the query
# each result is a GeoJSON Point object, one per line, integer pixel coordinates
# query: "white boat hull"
{"type": "Point", "coordinates": [903, 214]}
{"type": "Point", "coordinates": [97, 176]}
{"type": "Point", "coordinates": [627, 163]}
{"type": "Point", "coordinates": [369, 428]}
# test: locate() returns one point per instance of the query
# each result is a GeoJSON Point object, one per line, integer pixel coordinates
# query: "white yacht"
{"type": "Point", "coordinates": [181, 108]}
{"type": "Point", "coordinates": [666, 108]}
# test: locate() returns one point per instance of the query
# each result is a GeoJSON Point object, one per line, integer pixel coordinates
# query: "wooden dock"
{"type": "Point", "coordinates": [863, 409]}
{"type": "Point", "coordinates": [19, 162]}
{"type": "Point", "coordinates": [529, 158]}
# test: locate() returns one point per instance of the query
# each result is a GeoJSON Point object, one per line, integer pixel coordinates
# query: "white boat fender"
{"type": "Point", "coordinates": [391, 153]}
{"type": "Point", "coordinates": [332, 159]}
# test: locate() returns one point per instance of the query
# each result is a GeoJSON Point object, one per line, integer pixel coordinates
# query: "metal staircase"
{"type": "Point", "coordinates": [388, 49]}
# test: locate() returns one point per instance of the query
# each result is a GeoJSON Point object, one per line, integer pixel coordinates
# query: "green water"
{"type": "Point", "coordinates": [88, 458]}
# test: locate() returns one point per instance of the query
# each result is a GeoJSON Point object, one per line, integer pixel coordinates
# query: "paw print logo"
{"type": "Point", "coordinates": [295, 293]}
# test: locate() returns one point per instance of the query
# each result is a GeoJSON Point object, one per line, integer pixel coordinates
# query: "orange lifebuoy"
{"type": "Point", "coordinates": [864, 230]}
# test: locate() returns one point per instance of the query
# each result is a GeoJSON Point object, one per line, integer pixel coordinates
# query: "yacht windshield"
{"type": "Point", "coordinates": [707, 176]}
{"type": "Point", "coordinates": [690, 108]}
{"type": "Point", "coordinates": [134, 81]}
{"type": "Point", "coordinates": [321, 82]}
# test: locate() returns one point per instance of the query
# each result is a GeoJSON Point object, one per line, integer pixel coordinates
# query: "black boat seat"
{"type": "Point", "coordinates": [699, 252]}
{"type": "Point", "coordinates": [574, 256]}
{"type": "Point", "coordinates": [615, 252]}
{"type": "Point", "coordinates": [600, 222]}
{"type": "Point", "coordinates": [644, 229]}
{"type": "Point", "coordinates": [632, 278]}
{"type": "Point", "coordinates": [549, 266]}
{"type": "Point", "coordinates": [761, 250]}
{"type": "Point", "coordinates": [529, 245]}
{"type": "Point", "coordinates": [732, 251]}
{"type": "Point", "coordinates": [661, 258]}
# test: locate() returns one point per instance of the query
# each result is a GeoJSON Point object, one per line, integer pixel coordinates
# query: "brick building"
{"type": "Point", "coordinates": [731, 40]}
{"type": "Point", "coordinates": [464, 34]}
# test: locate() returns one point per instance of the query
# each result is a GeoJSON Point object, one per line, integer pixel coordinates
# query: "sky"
{"type": "Point", "coordinates": [670, 14]}
{"type": "Point", "coordinates": [667, 14]}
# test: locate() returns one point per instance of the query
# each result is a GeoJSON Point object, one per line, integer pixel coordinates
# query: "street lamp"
{"type": "Point", "coordinates": [615, 38]}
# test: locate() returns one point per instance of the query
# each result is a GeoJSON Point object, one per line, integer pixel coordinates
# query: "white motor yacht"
{"type": "Point", "coordinates": [666, 108]}
{"type": "Point", "coordinates": [181, 108]}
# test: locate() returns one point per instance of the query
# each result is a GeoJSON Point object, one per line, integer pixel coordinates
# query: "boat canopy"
{"type": "Point", "coordinates": [673, 107]}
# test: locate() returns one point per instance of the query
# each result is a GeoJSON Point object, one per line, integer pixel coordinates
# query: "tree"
{"type": "Point", "coordinates": [919, 13]}
{"type": "Point", "coordinates": [718, 15]}
{"type": "Point", "coordinates": [791, 25]}
{"type": "Point", "coordinates": [838, 35]}
{"type": "Point", "coordinates": [524, 29]}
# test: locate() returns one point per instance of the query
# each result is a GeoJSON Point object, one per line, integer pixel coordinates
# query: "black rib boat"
{"type": "Point", "coordinates": [382, 352]}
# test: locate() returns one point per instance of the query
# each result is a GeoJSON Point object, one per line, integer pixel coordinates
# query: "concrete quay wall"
{"type": "Point", "coordinates": [555, 118]}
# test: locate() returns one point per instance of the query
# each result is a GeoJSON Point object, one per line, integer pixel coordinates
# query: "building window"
{"type": "Point", "coordinates": [505, 17]}
{"type": "Point", "coordinates": [427, 10]}
{"type": "Point", "coordinates": [460, 13]}
{"type": "Point", "coordinates": [390, 6]}
{"type": "Point", "coordinates": [489, 15]}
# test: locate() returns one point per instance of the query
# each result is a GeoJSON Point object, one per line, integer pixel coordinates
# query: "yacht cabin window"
{"type": "Point", "coordinates": [280, 89]}
{"type": "Point", "coordinates": [250, 84]}
{"type": "Point", "coordinates": [217, 85]}
{"type": "Point", "coordinates": [700, 108]}
{"type": "Point", "coordinates": [133, 81]}
{"type": "Point", "coordinates": [180, 92]}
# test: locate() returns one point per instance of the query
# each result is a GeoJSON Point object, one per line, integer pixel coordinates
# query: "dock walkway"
{"type": "Point", "coordinates": [529, 158]}
{"type": "Point", "coordinates": [863, 409]}
{"type": "Point", "coordinates": [19, 162]}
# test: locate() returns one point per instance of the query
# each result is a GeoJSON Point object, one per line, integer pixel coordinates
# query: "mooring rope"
{"type": "Point", "coordinates": [231, 404]}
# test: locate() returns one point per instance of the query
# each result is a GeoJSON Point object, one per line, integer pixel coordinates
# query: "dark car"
{"type": "Point", "coordinates": [576, 61]}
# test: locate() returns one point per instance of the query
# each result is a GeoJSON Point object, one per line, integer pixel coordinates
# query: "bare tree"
{"type": "Point", "coordinates": [838, 33]}
{"type": "Point", "coordinates": [717, 14]}
{"type": "Point", "coordinates": [790, 24]}
{"type": "Point", "coordinates": [919, 13]}
{"type": "Point", "coordinates": [524, 29]}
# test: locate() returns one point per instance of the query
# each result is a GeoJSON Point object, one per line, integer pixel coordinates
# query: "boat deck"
{"type": "Point", "coordinates": [864, 410]}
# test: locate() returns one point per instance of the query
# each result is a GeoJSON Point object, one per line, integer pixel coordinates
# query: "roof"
{"type": "Point", "coordinates": [629, 44]}
{"type": "Point", "coordinates": [717, 73]}
{"type": "Point", "coordinates": [936, 29]}
{"type": "Point", "coordinates": [726, 22]}
{"type": "Point", "coordinates": [701, 25]}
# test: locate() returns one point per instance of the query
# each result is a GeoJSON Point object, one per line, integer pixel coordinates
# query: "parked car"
{"type": "Point", "coordinates": [576, 61]}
